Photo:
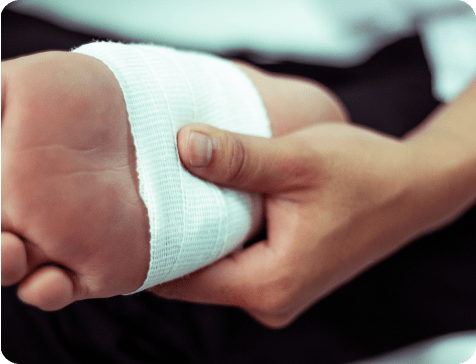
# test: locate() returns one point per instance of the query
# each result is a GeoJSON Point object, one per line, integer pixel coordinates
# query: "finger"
{"type": "Point", "coordinates": [242, 161]}
{"type": "Point", "coordinates": [257, 278]}
{"type": "Point", "coordinates": [49, 288]}
{"type": "Point", "coordinates": [232, 281]}
{"type": "Point", "coordinates": [263, 279]}
{"type": "Point", "coordinates": [14, 259]}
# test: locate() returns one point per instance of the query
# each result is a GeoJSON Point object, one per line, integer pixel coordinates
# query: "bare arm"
{"type": "Point", "coordinates": [340, 198]}
{"type": "Point", "coordinates": [445, 158]}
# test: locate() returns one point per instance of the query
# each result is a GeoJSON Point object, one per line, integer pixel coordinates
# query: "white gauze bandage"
{"type": "Point", "coordinates": [192, 222]}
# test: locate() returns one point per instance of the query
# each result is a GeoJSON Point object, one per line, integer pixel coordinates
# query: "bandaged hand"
{"type": "Point", "coordinates": [74, 221]}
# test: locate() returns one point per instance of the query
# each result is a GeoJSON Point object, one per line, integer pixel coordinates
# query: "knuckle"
{"type": "Point", "coordinates": [236, 159]}
{"type": "Point", "coordinates": [265, 298]}
{"type": "Point", "coordinates": [303, 167]}
{"type": "Point", "coordinates": [273, 304]}
{"type": "Point", "coordinates": [277, 322]}
{"type": "Point", "coordinates": [276, 297]}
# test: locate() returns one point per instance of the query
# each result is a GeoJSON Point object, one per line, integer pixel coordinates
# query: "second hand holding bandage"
{"type": "Point", "coordinates": [192, 222]}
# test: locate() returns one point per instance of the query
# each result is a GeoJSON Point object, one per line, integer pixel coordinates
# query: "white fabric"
{"type": "Point", "coordinates": [337, 33]}
{"type": "Point", "coordinates": [192, 222]}
{"type": "Point", "coordinates": [453, 65]}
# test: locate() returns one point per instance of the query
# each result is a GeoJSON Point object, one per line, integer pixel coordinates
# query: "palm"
{"type": "Point", "coordinates": [69, 189]}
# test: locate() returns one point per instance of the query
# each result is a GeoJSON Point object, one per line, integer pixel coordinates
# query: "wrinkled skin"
{"type": "Point", "coordinates": [73, 223]}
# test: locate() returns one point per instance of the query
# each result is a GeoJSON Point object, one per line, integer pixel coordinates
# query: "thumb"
{"type": "Point", "coordinates": [241, 161]}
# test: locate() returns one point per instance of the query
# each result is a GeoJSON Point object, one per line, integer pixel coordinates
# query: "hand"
{"type": "Point", "coordinates": [70, 201]}
{"type": "Point", "coordinates": [339, 198]}
{"type": "Point", "coordinates": [73, 224]}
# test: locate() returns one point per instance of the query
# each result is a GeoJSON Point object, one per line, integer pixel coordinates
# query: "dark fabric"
{"type": "Point", "coordinates": [425, 290]}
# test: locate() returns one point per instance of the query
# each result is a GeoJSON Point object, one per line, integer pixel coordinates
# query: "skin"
{"type": "Point", "coordinates": [339, 199]}
{"type": "Point", "coordinates": [73, 223]}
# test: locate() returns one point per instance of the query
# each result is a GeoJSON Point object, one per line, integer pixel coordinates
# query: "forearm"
{"type": "Point", "coordinates": [444, 155]}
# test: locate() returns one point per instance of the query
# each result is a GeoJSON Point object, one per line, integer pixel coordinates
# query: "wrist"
{"type": "Point", "coordinates": [445, 157]}
{"type": "Point", "coordinates": [444, 177]}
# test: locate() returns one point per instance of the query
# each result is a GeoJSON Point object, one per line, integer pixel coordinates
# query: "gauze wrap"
{"type": "Point", "coordinates": [192, 222]}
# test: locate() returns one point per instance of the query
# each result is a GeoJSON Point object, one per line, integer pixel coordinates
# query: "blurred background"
{"type": "Point", "coordinates": [325, 32]}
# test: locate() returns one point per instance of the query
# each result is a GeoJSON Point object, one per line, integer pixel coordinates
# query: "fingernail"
{"type": "Point", "coordinates": [199, 149]}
